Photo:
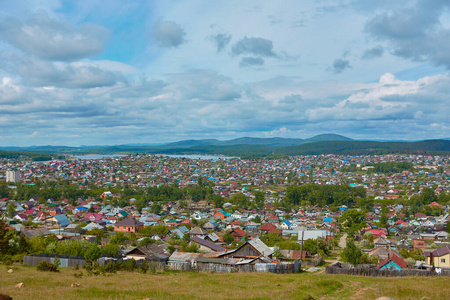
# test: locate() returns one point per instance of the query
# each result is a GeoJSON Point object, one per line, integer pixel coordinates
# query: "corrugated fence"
{"type": "Point", "coordinates": [63, 261]}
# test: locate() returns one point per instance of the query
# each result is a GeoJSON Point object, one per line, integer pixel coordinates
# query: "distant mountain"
{"type": "Point", "coordinates": [261, 147]}
{"type": "Point", "coordinates": [368, 147]}
{"type": "Point", "coordinates": [279, 142]}
{"type": "Point", "coordinates": [190, 143]}
{"type": "Point", "coordinates": [327, 137]}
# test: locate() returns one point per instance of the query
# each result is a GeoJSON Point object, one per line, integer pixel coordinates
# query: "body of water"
{"type": "Point", "coordinates": [192, 156]}
{"type": "Point", "coordinates": [97, 156]}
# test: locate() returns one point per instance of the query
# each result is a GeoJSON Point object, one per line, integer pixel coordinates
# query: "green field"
{"type": "Point", "coordinates": [123, 285]}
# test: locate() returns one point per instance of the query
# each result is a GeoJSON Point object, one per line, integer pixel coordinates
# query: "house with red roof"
{"type": "Point", "coordinates": [30, 212]}
{"type": "Point", "coordinates": [393, 262]}
{"type": "Point", "coordinates": [378, 232]}
{"type": "Point", "coordinates": [93, 217]}
{"type": "Point", "coordinates": [269, 228]}
{"type": "Point", "coordinates": [273, 219]}
{"type": "Point", "coordinates": [238, 234]}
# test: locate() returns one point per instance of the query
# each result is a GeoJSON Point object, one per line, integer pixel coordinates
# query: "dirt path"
{"type": "Point", "coordinates": [343, 241]}
{"type": "Point", "coordinates": [342, 244]}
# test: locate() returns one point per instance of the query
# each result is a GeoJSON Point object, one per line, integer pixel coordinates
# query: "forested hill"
{"type": "Point", "coordinates": [344, 147]}
{"type": "Point", "coordinates": [436, 147]}
{"type": "Point", "coordinates": [34, 156]}
{"type": "Point", "coordinates": [368, 147]}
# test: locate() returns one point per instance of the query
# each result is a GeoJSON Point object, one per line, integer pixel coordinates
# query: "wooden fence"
{"type": "Point", "coordinates": [281, 268]}
{"type": "Point", "coordinates": [371, 270]}
{"type": "Point", "coordinates": [312, 263]}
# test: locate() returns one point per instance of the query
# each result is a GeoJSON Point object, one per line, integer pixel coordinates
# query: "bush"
{"type": "Point", "coordinates": [7, 260]}
{"type": "Point", "coordinates": [45, 266]}
{"type": "Point", "coordinates": [144, 266]}
{"type": "Point", "coordinates": [410, 261]}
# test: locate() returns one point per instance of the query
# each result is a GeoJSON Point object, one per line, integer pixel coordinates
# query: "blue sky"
{"type": "Point", "coordinates": [115, 72]}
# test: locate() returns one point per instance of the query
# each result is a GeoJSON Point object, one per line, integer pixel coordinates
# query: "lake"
{"type": "Point", "coordinates": [192, 156]}
{"type": "Point", "coordinates": [97, 156]}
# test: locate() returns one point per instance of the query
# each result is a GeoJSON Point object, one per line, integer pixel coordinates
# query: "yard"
{"type": "Point", "coordinates": [168, 285]}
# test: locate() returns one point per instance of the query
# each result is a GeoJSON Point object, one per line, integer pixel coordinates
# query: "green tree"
{"type": "Point", "coordinates": [428, 196]}
{"type": "Point", "coordinates": [351, 254]}
{"type": "Point", "coordinates": [353, 221]}
{"type": "Point", "coordinates": [259, 199]}
{"type": "Point", "coordinates": [10, 209]}
{"type": "Point", "coordinates": [4, 237]}
{"type": "Point", "coordinates": [93, 253]}
{"type": "Point", "coordinates": [228, 238]}
{"type": "Point", "coordinates": [277, 254]}
{"type": "Point", "coordinates": [110, 249]}
{"type": "Point", "coordinates": [186, 237]}
{"type": "Point", "coordinates": [4, 191]}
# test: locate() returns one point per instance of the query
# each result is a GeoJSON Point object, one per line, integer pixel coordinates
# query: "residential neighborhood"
{"type": "Point", "coordinates": [226, 214]}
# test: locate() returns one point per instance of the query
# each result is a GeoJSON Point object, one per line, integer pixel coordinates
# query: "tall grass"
{"type": "Point", "coordinates": [125, 285]}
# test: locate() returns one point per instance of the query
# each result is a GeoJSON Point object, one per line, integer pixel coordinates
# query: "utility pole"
{"type": "Point", "coordinates": [301, 247]}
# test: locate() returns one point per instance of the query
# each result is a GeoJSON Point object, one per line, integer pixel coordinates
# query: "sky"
{"type": "Point", "coordinates": [91, 72]}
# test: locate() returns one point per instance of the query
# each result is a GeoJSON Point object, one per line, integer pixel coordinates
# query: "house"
{"type": "Point", "coordinates": [212, 237]}
{"type": "Point", "coordinates": [285, 224]}
{"type": "Point", "coordinates": [439, 257]}
{"type": "Point", "coordinates": [106, 194]}
{"type": "Point", "coordinates": [36, 232]}
{"type": "Point", "coordinates": [249, 250]}
{"type": "Point", "coordinates": [58, 220]}
{"type": "Point", "coordinates": [92, 217]}
{"type": "Point", "coordinates": [206, 246]}
{"type": "Point", "coordinates": [378, 232]}
{"type": "Point", "coordinates": [197, 231]}
{"type": "Point", "coordinates": [154, 252]}
{"type": "Point", "coordinates": [420, 216]}
{"type": "Point", "coordinates": [92, 226]}
{"type": "Point", "coordinates": [182, 260]}
{"type": "Point", "coordinates": [238, 234]}
{"type": "Point", "coordinates": [381, 242]}
{"type": "Point", "coordinates": [221, 215]}
{"type": "Point", "coordinates": [394, 262]}
{"type": "Point", "coordinates": [128, 225]}
{"type": "Point", "coordinates": [269, 228]}
{"type": "Point", "coordinates": [314, 234]}
{"type": "Point", "coordinates": [293, 254]}
{"type": "Point", "coordinates": [54, 211]}
{"type": "Point", "coordinates": [210, 225]}
{"type": "Point", "coordinates": [418, 244]}
{"type": "Point", "coordinates": [382, 252]}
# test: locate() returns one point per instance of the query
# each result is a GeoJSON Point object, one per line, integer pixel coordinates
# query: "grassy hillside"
{"type": "Point", "coordinates": [43, 285]}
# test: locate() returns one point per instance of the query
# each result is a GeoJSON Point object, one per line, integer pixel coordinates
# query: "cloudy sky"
{"type": "Point", "coordinates": [114, 72]}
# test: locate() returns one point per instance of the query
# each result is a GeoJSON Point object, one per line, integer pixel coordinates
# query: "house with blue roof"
{"type": "Point", "coordinates": [58, 220]}
{"type": "Point", "coordinates": [285, 224]}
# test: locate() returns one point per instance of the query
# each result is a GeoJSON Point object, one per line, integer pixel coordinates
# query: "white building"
{"type": "Point", "coordinates": [13, 176]}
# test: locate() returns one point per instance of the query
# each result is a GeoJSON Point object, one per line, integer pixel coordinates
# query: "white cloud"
{"type": "Point", "coordinates": [168, 33]}
{"type": "Point", "coordinates": [53, 39]}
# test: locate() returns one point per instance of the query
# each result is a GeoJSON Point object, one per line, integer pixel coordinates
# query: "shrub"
{"type": "Point", "coordinates": [7, 260]}
{"type": "Point", "coordinates": [144, 266]}
{"type": "Point", "coordinates": [45, 266]}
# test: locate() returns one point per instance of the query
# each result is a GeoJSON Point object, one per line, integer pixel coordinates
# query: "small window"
{"type": "Point", "coordinates": [442, 260]}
